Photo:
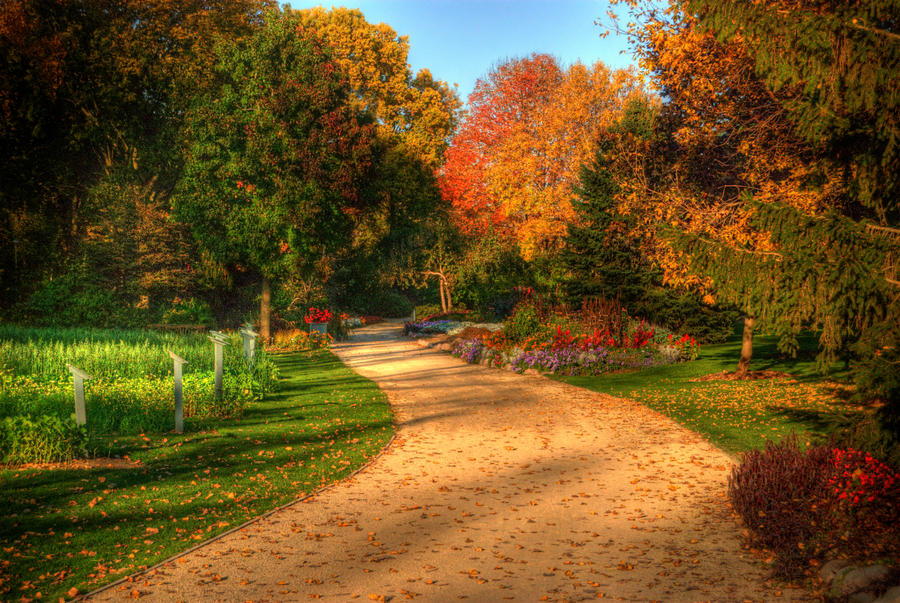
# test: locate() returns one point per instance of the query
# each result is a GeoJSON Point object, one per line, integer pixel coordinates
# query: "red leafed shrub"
{"type": "Point", "coordinates": [800, 503]}
{"type": "Point", "coordinates": [782, 493]}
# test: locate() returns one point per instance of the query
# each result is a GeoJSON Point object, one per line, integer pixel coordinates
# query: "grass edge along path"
{"type": "Point", "coordinates": [68, 531]}
{"type": "Point", "coordinates": [737, 416]}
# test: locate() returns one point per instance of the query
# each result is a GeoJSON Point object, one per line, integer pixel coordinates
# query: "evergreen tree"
{"type": "Point", "coordinates": [600, 254]}
{"type": "Point", "coordinates": [838, 63]}
{"type": "Point", "coordinates": [832, 66]}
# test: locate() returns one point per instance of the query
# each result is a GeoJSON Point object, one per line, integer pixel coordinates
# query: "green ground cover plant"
{"type": "Point", "coordinates": [66, 531]}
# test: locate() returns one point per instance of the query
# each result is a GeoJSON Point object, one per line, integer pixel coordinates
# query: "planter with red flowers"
{"type": "Point", "coordinates": [317, 319]}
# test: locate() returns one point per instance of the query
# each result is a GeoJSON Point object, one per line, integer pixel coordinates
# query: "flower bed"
{"type": "Point", "coordinates": [565, 353]}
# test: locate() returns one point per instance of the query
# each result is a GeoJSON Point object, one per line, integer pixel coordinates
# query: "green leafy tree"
{"type": "Point", "coordinates": [415, 114]}
{"type": "Point", "coordinates": [91, 89]}
{"type": "Point", "coordinates": [275, 157]}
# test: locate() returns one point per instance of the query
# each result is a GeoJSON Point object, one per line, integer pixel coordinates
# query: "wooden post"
{"type": "Point", "coordinates": [80, 376]}
{"type": "Point", "coordinates": [249, 336]}
{"type": "Point", "coordinates": [179, 400]}
{"type": "Point", "coordinates": [218, 340]}
{"type": "Point", "coordinates": [265, 306]}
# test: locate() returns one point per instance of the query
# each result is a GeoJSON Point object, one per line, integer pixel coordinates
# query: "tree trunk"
{"type": "Point", "coordinates": [265, 307]}
{"type": "Point", "coordinates": [746, 346]}
{"type": "Point", "coordinates": [449, 301]}
{"type": "Point", "coordinates": [443, 297]}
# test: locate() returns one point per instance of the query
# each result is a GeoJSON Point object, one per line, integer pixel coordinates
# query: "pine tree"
{"type": "Point", "coordinates": [602, 254]}
{"type": "Point", "coordinates": [599, 252]}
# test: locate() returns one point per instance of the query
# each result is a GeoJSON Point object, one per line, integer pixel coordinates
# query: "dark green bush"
{"type": "Point", "coordinates": [684, 312]}
{"type": "Point", "coordinates": [523, 323]}
{"type": "Point", "coordinates": [781, 493]}
{"type": "Point", "coordinates": [877, 371]}
{"type": "Point", "coordinates": [188, 311]}
{"type": "Point", "coordinates": [41, 439]}
{"type": "Point", "coordinates": [336, 328]}
{"type": "Point", "coordinates": [68, 301]}
{"type": "Point", "coordinates": [387, 303]}
{"type": "Point", "coordinates": [425, 310]}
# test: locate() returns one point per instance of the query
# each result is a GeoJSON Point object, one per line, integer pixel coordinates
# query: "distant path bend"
{"type": "Point", "coordinates": [498, 487]}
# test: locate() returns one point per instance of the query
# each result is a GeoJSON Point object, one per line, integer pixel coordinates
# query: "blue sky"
{"type": "Point", "coordinates": [460, 40]}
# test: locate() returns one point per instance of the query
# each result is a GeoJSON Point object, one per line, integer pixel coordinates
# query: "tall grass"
{"type": "Point", "coordinates": [131, 390]}
{"type": "Point", "coordinates": [105, 353]}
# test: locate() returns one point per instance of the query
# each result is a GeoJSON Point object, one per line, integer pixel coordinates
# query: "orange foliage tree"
{"type": "Point", "coordinates": [531, 125]}
{"type": "Point", "coordinates": [754, 201]}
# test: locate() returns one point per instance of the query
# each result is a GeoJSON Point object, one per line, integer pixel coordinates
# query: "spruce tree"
{"type": "Point", "coordinates": [838, 62]}
{"type": "Point", "coordinates": [832, 66]}
{"type": "Point", "coordinates": [600, 253]}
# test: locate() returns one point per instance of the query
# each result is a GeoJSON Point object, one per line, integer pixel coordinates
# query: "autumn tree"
{"type": "Point", "coordinates": [415, 108]}
{"type": "Point", "coordinates": [530, 126]}
{"type": "Point", "coordinates": [791, 222]}
{"type": "Point", "coordinates": [91, 96]}
{"type": "Point", "coordinates": [275, 156]}
{"type": "Point", "coordinates": [415, 114]}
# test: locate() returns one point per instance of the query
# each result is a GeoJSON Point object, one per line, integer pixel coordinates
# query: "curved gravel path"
{"type": "Point", "coordinates": [498, 487]}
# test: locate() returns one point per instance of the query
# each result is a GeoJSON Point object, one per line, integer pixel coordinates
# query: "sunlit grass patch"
{"type": "Point", "coordinates": [737, 415]}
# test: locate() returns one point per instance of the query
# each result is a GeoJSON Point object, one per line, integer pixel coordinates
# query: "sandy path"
{"type": "Point", "coordinates": [498, 487]}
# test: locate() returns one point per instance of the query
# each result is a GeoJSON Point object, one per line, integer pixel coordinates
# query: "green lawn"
{"type": "Point", "coordinates": [79, 529]}
{"type": "Point", "coordinates": [737, 415]}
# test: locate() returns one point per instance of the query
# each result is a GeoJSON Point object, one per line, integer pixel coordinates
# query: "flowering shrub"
{"type": "Point", "coordinates": [317, 315]}
{"type": "Point", "coordinates": [523, 291]}
{"type": "Point", "coordinates": [686, 346]}
{"type": "Point", "coordinates": [800, 502]}
{"type": "Point", "coordinates": [640, 337]}
{"type": "Point", "coordinates": [298, 341]}
{"type": "Point", "coordinates": [427, 326]}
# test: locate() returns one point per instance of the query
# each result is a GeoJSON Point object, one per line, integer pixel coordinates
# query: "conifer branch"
{"type": "Point", "coordinates": [895, 231]}
{"type": "Point", "coordinates": [774, 254]}
{"type": "Point", "coordinates": [875, 30]}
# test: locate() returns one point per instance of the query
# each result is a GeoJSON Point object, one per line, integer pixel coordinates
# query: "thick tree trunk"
{"type": "Point", "coordinates": [746, 346]}
{"type": "Point", "coordinates": [443, 297]}
{"type": "Point", "coordinates": [265, 309]}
